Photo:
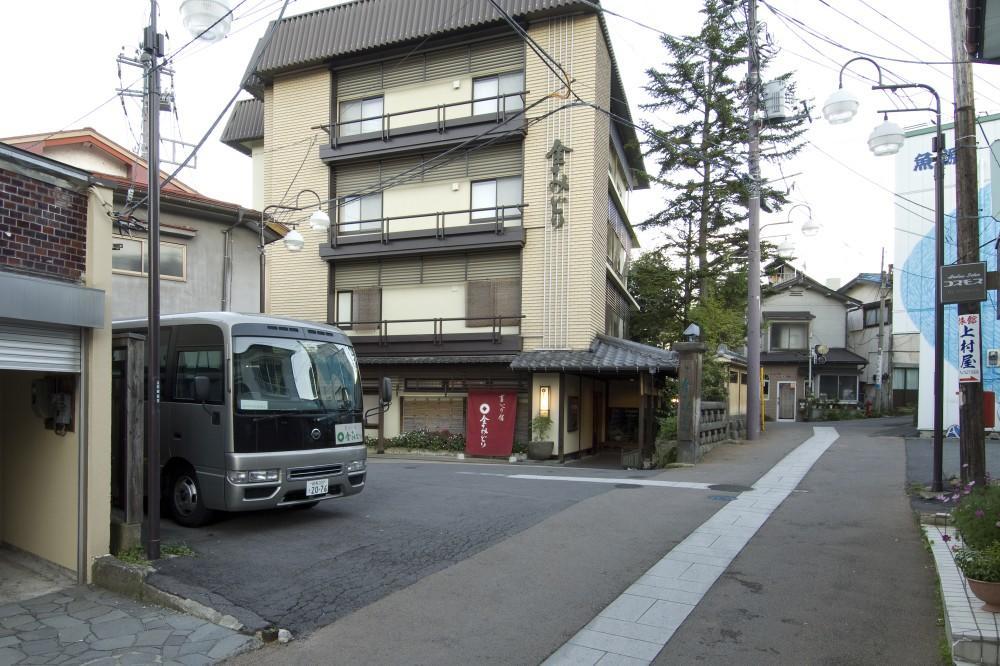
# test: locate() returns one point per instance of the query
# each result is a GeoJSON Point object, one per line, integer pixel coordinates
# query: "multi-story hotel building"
{"type": "Point", "coordinates": [480, 236]}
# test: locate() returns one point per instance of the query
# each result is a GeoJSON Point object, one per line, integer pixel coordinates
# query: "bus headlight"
{"type": "Point", "coordinates": [355, 466]}
{"type": "Point", "coordinates": [253, 476]}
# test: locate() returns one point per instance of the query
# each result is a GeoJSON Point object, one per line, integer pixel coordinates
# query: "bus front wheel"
{"type": "Point", "coordinates": [187, 506]}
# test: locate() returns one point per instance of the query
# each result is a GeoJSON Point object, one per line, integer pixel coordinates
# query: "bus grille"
{"type": "Point", "coordinates": [318, 470]}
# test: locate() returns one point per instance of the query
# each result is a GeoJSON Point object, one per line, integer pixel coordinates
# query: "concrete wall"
{"type": "Point", "coordinates": [829, 326]}
{"type": "Point", "coordinates": [89, 158]}
{"type": "Point", "coordinates": [202, 288]}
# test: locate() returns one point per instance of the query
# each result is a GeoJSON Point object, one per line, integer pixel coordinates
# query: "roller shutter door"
{"type": "Point", "coordinates": [39, 348]}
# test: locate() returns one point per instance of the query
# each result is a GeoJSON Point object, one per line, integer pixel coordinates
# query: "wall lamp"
{"type": "Point", "coordinates": [543, 400]}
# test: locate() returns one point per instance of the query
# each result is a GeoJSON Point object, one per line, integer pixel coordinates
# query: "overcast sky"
{"type": "Point", "coordinates": [59, 73]}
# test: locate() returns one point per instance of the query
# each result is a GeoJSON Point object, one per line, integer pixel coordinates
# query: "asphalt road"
{"type": "Point", "coordinates": [837, 575]}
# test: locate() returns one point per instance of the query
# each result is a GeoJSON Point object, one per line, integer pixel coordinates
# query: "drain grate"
{"type": "Point", "coordinates": [729, 488]}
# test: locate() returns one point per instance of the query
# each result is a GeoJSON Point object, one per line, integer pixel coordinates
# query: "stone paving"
{"type": "Point", "coordinates": [84, 625]}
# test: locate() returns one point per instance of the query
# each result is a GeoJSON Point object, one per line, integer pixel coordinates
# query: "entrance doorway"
{"type": "Point", "coordinates": [786, 401]}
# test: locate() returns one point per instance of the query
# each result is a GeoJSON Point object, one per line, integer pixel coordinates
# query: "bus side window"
{"type": "Point", "coordinates": [192, 363]}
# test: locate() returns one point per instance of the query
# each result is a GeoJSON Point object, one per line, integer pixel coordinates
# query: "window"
{"type": "Point", "coordinates": [132, 258]}
{"type": "Point", "coordinates": [839, 388]}
{"type": "Point", "coordinates": [905, 386]}
{"type": "Point", "coordinates": [199, 363]}
{"type": "Point", "coordinates": [789, 336]}
{"type": "Point", "coordinates": [617, 256]}
{"type": "Point", "coordinates": [345, 307]}
{"type": "Point", "coordinates": [498, 93]}
{"type": "Point", "coordinates": [361, 116]}
{"type": "Point", "coordinates": [487, 299]}
{"type": "Point", "coordinates": [871, 314]}
{"type": "Point", "coordinates": [488, 196]}
{"type": "Point", "coordinates": [361, 214]}
{"type": "Point", "coordinates": [767, 387]}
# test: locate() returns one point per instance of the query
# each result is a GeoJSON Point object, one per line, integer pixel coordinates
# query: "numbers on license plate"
{"type": "Point", "coordinates": [317, 487]}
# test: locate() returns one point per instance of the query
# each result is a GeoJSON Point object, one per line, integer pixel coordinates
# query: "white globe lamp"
{"type": "Point", "coordinates": [841, 106]}
{"type": "Point", "coordinates": [208, 20]}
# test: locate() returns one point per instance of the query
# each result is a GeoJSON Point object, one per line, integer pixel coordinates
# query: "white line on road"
{"type": "Point", "coordinates": [598, 479]}
{"type": "Point", "coordinates": [636, 625]}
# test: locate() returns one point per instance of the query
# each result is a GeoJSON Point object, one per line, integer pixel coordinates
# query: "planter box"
{"type": "Point", "coordinates": [540, 450]}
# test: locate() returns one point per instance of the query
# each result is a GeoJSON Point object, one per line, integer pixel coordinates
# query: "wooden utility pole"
{"type": "Point", "coordinates": [753, 237]}
{"type": "Point", "coordinates": [970, 410]}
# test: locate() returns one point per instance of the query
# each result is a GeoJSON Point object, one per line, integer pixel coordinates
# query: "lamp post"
{"type": "Point", "coordinates": [294, 242]}
{"type": "Point", "coordinates": [212, 24]}
{"type": "Point", "coordinates": [887, 139]}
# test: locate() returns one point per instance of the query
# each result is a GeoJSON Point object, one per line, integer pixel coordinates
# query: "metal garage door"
{"type": "Point", "coordinates": [41, 348]}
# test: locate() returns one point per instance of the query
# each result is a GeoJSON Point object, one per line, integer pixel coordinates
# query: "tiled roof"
{"type": "Point", "coordinates": [836, 355]}
{"type": "Point", "coordinates": [503, 359]}
{"type": "Point", "coordinates": [606, 355]}
{"type": "Point", "coordinates": [245, 124]}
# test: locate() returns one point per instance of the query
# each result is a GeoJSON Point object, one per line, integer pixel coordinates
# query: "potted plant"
{"type": "Point", "coordinates": [978, 558]}
{"type": "Point", "coordinates": [540, 448]}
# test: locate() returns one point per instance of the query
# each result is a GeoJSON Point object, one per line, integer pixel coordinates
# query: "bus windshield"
{"type": "Point", "coordinates": [288, 375]}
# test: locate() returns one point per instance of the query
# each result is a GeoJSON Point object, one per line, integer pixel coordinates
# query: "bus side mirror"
{"type": "Point", "coordinates": [385, 395]}
{"type": "Point", "coordinates": [201, 388]}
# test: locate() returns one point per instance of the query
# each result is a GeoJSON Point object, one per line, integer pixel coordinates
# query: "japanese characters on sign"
{"type": "Point", "coordinates": [963, 283]}
{"type": "Point", "coordinates": [558, 183]}
{"type": "Point", "coordinates": [968, 349]}
{"type": "Point", "coordinates": [490, 421]}
{"type": "Point", "coordinates": [925, 161]}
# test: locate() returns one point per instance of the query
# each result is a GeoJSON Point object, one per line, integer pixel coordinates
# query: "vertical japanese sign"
{"type": "Point", "coordinates": [968, 349]}
{"type": "Point", "coordinates": [558, 183]}
{"type": "Point", "coordinates": [489, 427]}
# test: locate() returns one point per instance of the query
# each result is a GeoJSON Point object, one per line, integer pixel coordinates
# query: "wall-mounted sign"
{"type": "Point", "coordinates": [963, 283]}
{"type": "Point", "coordinates": [968, 349]}
{"type": "Point", "coordinates": [558, 183]}
{"type": "Point", "coordinates": [489, 428]}
{"type": "Point", "coordinates": [925, 161]}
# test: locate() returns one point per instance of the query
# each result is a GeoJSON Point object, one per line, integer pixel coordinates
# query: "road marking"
{"type": "Point", "coordinates": [598, 479]}
{"type": "Point", "coordinates": [638, 624]}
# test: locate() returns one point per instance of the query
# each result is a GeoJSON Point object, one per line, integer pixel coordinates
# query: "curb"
{"type": "Point", "coordinates": [130, 580]}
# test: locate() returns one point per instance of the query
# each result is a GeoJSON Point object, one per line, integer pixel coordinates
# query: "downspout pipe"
{"type": "Point", "coordinates": [227, 258]}
{"type": "Point", "coordinates": [82, 463]}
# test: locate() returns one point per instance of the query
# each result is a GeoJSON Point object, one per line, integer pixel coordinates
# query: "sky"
{"type": "Point", "coordinates": [60, 75]}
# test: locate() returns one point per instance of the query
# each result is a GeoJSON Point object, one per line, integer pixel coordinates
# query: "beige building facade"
{"type": "Point", "coordinates": [55, 362]}
{"type": "Point", "coordinates": [481, 235]}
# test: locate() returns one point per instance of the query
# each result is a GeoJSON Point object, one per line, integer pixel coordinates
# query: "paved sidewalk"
{"type": "Point", "coordinates": [635, 626]}
{"type": "Point", "coordinates": [84, 625]}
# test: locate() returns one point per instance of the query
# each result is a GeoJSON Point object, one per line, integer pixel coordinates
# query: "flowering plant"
{"type": "Point", "coordinates": [981, 564]}
{"type": "Point", "coordinates": [977, 515]}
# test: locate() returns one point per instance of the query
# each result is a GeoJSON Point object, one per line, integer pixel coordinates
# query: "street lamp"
{"type": "Point", "coordinates": [294, 241]}
{"type": "Point", "coordinates": [886, 139]}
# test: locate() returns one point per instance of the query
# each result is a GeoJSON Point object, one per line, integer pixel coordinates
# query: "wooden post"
{"type": "Point", "coordinates": [641, 426]}
{"type": "Point", "coordinates": [127, 524]}
{"type": "Point", "coordinates": [689, 395]}
{"type": "Point", "coordinates": [380, 448]}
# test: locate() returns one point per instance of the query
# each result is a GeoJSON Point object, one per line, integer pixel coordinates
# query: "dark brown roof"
{"type": "Point", "coordinates": [246, 123]}
{"type": "Point", "coordinates": [776, 315]}
{"type": "Point", "coordinates": [836, 356]}
{"type": "Point", "coordinates": [607, 355]}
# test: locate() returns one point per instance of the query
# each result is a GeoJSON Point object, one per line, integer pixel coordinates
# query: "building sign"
{"type": "Point", "coordinates": [968, 349]}
{"type": "Point", "coordinates": [925, 161]}
{"type": "Point", "coordinates": [558, 183]}
{"type": "Point", "coordinates": [963, 283]}
{"type": "Point", "coordinates": [489, 428]}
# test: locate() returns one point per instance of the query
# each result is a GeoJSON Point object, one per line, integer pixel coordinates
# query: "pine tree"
{"type": "Point", "coordinates": [702, 159]}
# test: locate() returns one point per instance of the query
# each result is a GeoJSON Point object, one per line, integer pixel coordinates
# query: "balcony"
{"type": "Point", "coordinates": [491, 228]}
{"type": "Point", "coordinates": [425, 128]}
{"type": "Point", "coordinates": [438, 336]}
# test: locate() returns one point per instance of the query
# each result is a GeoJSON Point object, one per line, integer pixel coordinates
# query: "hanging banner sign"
{"type": "Point", "coordinates": [968, 349]}
{"type": "Point", "coordinates": [489, 427]}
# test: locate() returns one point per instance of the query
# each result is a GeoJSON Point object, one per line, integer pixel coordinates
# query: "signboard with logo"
{"type": "Point", "coordinates": [963, 283]}
{"type": "Point", "coordinates": [489, 429]}
{"type": "Point", "coordinates": [968, 349]}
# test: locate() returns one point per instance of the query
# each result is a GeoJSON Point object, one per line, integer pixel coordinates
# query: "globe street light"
{"type": "Point", "coordinates": [294, 241]}
{"type": "Point", "coordinates": [886, 139]}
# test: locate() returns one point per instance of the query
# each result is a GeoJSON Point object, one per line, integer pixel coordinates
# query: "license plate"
{"type": "Point", "coordinates": [317, 487]}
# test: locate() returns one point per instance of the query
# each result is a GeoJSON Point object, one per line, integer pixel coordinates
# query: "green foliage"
{"type": "Point", "coordinates": [976, 516]}
{"type": "Point", "coordinates": [714, 380]}
{"type": "Point", "coordinates": [540, 426]}
{"type": "Point", "coordinates": [668, 428]}
{"type": "Point", "coordinates": [137, 554]}
{"type": "Point", "coordinates": [980, 563]}
{"type": "Point", "coordinates": [655, 286]}
{"type": "Point", "coordinates": [423, 440]}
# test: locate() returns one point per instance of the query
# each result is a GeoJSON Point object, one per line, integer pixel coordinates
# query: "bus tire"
{"type": "Point", "coordinates": [187, 506]}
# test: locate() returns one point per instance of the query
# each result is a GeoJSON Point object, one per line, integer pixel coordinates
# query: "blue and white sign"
{"type": "Point", "coordinates": [968, 349]}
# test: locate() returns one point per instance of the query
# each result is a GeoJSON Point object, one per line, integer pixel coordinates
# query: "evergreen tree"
{"type": "Point", "coordinates": [702, 159]}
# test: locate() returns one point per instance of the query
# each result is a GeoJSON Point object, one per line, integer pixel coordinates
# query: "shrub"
{"type": "Point", "coordinates": [977, 515]}
{"type": "Point", "coordinates": [668, 428]}
{"type": "Point", "coordinates": [980, 563]}
{"type": "Point", "coordinates": [540, 426]}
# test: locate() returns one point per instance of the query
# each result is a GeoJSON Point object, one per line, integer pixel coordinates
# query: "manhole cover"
{"type": "Point", "coordinates": [627, 486]}
{"type": "Point", "coordinates": [729, 488]}
{"type": "Point", "coordinates": [722, 498]}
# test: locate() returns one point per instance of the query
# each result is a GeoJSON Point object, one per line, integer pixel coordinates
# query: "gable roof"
{"type": "Point", "coordinates": [363, 26]}
{"type": "Point", "coordinates": [804, 281]}
{"type": "Point", "coordinates": [870, 278]}
{"type": "Point", "coordinates": [607, 355]}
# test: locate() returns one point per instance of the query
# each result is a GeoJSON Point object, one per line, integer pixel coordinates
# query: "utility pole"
{"type": "Point", "coordinates": [753, 268]}
{"type": "Point", "coordinates": [879, 383]}
{"type": "Point", "coordinates": [970, 410]}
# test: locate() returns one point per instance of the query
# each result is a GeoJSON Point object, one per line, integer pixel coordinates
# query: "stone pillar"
{"type": "Point", "coordinates": [689, 396]}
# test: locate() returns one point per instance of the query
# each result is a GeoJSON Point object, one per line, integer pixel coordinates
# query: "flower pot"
{"type": "Point", "coordinates": [988, 593]}
{"type": "Point", "coordinates": [540, 450]}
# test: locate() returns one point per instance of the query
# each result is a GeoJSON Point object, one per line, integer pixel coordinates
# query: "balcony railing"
{"type": "Point", "coordinates": [392, 124]}
{"type": "Point", "coordinates": [434, 335]}
{"type": "Point", "coordinates": [438, 224]}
